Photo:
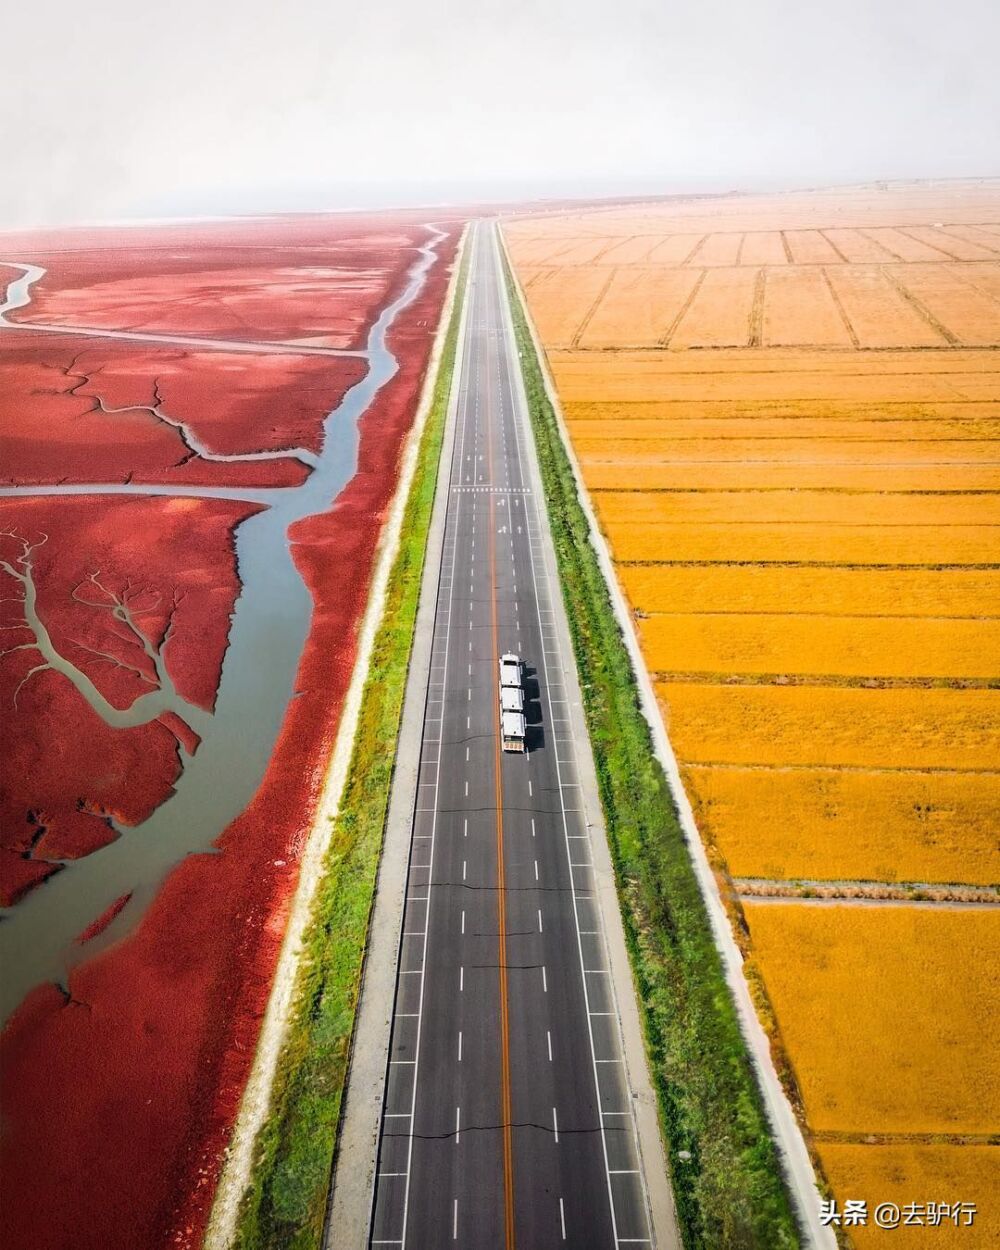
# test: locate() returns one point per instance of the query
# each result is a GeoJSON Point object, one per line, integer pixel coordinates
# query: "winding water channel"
{"type": "Point", "coordinates": [270, 624]}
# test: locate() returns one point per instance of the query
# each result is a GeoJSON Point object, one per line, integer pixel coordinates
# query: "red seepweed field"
{"type": "Point", "coordinates": [165, 391]}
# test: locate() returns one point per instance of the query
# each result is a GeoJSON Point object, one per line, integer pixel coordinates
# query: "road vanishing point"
{"type": "Point", "coordinates": [507, 1119]}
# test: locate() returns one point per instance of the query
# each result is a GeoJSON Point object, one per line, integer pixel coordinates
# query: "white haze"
{"type": "Point", "coordinates": [129, 108]}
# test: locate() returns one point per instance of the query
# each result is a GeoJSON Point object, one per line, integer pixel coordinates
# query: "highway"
{"type": "Point", "coordinates": [506, 1118]}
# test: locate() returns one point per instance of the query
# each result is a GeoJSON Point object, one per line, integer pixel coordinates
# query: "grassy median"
{"type": "Point", "coordinates": [284, 1207]}
{"type": "Point", "coordinates": [728, 1184]}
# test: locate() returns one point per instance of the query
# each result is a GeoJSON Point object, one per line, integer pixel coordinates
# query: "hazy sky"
{"type": "Point", "coordinates": [158, 107]}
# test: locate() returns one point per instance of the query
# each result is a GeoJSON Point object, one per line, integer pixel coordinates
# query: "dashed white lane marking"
{"type": "Point", "coordinates": [532, 826]}
{"type": "Point", "coordinates": [562, 1219]}
{"type": "Point", "coordinates": [465, 827]}
{"type": "Point", "coordinates": [466, 789]}
{"type": "Point", "coordinates": [529, 788]}
{"type": "Point", "coordinates": [540, 929]}
{"type": "Point", "coordinates": [454, 1221]}
{"type": "Point", "coordinates": [459, 1045]}
{"type": "Point", "coordinates": [555, 1125]}
{"type": "Point", "coordinates": [536, 869]}
{"type": "Point", "coordinates": [548, 1042]}
{"type": "Point", "coordinates": [464, 862]}
{"type": "Point", "coordinates": [458, 1124]}
{"type": "Point", "coordinates": [461, 978]}
{"type": "Point", "coordinates": [463, 921]}
{"type": "Point", "coordinates": [545, 981]}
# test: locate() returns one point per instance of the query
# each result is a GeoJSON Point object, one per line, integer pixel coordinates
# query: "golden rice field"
{"type": "Point", "coordinates": [921, 1174]}
{"type": "Point", "coordinates": [760, 643]}
{"type": "Point", "coordinates": [840, 727]}
{"type": "Point", "coordinates": [786, 410]}
{"type": "Point", "coordinates": [833, 823]}
{"type": "Point", "coordinates": [853, 592]}
{"type": "Point", "coordinates": [922, 979]}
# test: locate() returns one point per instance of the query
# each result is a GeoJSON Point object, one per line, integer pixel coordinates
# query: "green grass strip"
{"type": "Point", "coordinates": [727, 1180]}
{"type": "Point", "coordinates": [284, 1207]}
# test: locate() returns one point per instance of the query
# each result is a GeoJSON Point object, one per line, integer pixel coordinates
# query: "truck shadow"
{"type": "Point", "coordinates": [534, 732]}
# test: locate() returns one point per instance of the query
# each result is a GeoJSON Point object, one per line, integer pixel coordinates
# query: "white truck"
{"type": "Point", "coordinates": [512, 723]}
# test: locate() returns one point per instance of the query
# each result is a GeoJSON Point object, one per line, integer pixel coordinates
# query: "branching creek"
{"type": "Point", "coordinates": [269, 627]}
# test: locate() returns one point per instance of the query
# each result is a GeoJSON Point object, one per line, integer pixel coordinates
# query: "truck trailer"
{"type": "Point", "coordinates": [512, 723]}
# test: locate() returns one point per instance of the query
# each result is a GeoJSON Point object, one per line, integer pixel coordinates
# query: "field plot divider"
{"type": "Point", "coordinates": [787, 1133]}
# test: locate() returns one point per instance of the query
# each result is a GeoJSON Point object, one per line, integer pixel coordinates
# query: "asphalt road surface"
{"type": "Point", "coordinates": [506, 1120]}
